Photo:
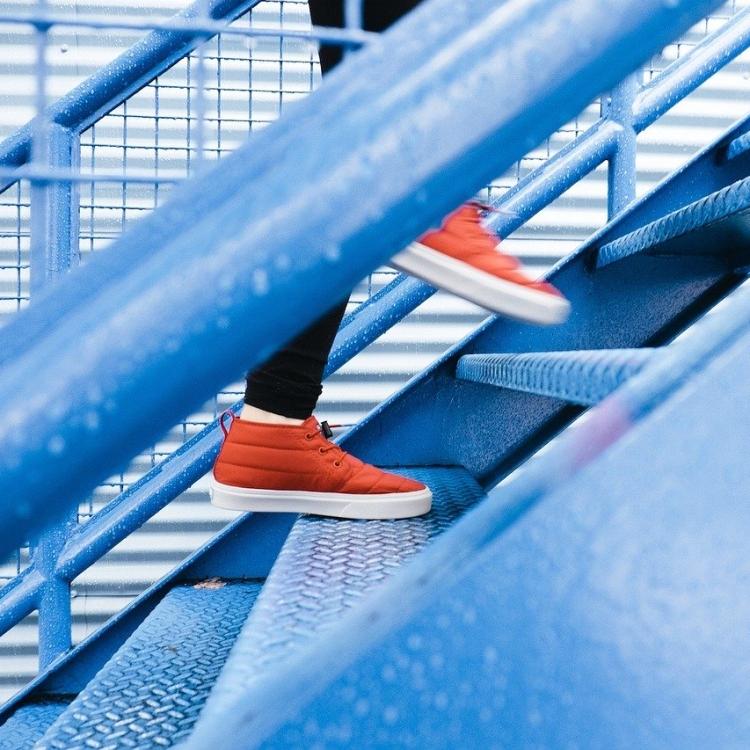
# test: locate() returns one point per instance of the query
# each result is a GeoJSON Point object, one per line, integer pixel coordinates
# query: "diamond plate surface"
{"type": "Point", "coordinates": [583, 377]}
{"type": "Point", "coordinates": [29, 723]}
{"type": "Point", "coordinates": [714, 207]}
{"type": "Point", "coordinates": [324, 568]}
{"type": "Point", "coordinates": [150, 693]}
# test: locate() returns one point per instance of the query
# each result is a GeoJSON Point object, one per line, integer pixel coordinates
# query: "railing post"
{"type": "Point", "coordinates": [622, 162]}
{"type": "Point", "coordinates": [54, 210]}
{"type": "Point", "coordinates": [54, 608]}
{"type": "Point", "coordinates": [54, 250]}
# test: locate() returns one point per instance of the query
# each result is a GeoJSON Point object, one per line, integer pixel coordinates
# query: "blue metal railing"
{"type": "Point", "coordinates": [613, 135]}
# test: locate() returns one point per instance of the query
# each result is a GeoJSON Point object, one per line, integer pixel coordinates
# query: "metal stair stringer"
{"type": "Point", "coordinates": [548, 611]}
{"type": "Point", "coordinates": [641, 302]}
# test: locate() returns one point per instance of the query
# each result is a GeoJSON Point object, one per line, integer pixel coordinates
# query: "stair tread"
{"type": "Point", "coordinates": [582, 377]}
{"type": "Point", "coordinates": [722, 212]}
{"type": "Point", "coordinates": [151, 692]}
{"type": "Point", "coordinates": [29, 723]}
{"type": "Point", "coordinates": [325, 567]}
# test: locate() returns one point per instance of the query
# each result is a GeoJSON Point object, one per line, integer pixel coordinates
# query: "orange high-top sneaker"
{"type": "Point", "coordinates": [297, 469]}
{"type": "Point", "coordinates": [462, 258]}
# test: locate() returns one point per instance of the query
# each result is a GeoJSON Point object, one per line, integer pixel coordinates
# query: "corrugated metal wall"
{"type": "Point", "coordinates": [248, 86]}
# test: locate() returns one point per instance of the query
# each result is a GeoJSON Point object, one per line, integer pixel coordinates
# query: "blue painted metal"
{"type": "Point", "coordinates": [415, 293]}
{"type": "Point", "coordinates": [140, 379]}
{"type": "Point", "coordinates": [375, 316]}
{"type": "Point", "coordinates": [54, 211]}
{"type": "Point", "coordinates": [722, 212]}
{"type": "Point", "coordinates": [623, 305]}
{"type": "Point", "coordinates": [185, 641]}
{"type": "Point", "coordinates": [246, 549]}
{"type": "Point", "coordinates": [29, 723]}
{"type": "Point", "coordinates": [53, 597]}
{"type": "Point", "coordinates": [622, 164]}
{"type": "Point", "coordinates": [581, 377]}
{"type": "Point", "coordinates": [89, 541]}
{"type": "Point", "coordinates": [54, 250]}
{"type": "Point", "coordinates": [548, 612]}
{"type": "Point", "coordinates": [739, 146]}
{"type": "Point", "coordinates": [600, 142]}
{"type": "Point", "coordinates": [550, 180]}
{"type": "Point", "coordinates": [325, 568]}
{"type": "Point", "coordinates": [687, 72]}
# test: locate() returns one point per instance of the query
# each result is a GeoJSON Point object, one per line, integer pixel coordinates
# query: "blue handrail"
{"type": "Point", "coordinates": [240, 262]}
{"type": "Point", "coordinates": [169, 479]}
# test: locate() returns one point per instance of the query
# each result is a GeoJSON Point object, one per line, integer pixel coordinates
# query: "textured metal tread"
{"type": "Point", "coordinates": [29, 723]}
{"type": "Point", "coordinates": [151, 692]}
{"type": "Point", "coordinates": [325, 567]}
{"type": "Point", "coordinates": [715, 207]}
{"type": "Point", "coordinates": [581, 377]}
{"type": "Point", "coordinates": [738, 146]}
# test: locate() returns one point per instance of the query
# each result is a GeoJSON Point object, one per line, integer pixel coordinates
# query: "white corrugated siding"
{"type": "Point", "coordinates": [151, 133]}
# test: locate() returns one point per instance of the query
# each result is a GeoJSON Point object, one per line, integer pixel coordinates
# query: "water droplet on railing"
{"type": "Point", "coordinates": [56, 445]}
{"type": "Point", "coordinates": [260, 281]}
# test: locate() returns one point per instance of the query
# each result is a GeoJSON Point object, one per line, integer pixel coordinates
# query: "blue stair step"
{"type": "Point", "coordinates": [151, 692]}
{"type": "Point", "coordinates": [581, 377]}
{"type": "Point", "coordinates": [716, 224]}
{"type": "Point", "coordinates": [324, 569]}
{"type": "Point", "coordinates": [29, 723]}
{"type": "Point", "coordinates": [738, 147]}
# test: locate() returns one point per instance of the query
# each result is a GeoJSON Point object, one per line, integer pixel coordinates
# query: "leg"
{"type": "Point", "coordinates": [289, 384]}
{"type": "Point", "coordinates": [277, 457]}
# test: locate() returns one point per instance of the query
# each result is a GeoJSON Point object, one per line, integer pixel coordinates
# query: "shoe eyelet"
{"type": "Point", "coordinates": [321, 451]}
{"type": "Point", "coordinates": [337, 463]}
{"type": "Point", "coordinates": [308, 436]}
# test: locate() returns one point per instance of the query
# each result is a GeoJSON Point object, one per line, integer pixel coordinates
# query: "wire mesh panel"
{"type": "Point", "coordinates": [197, 111]}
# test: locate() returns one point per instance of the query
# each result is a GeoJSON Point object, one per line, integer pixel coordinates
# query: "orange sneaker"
{"type": "Point", "coordinates": [297, 469]}
{"type": "Point", "coordinates": [462, 258]}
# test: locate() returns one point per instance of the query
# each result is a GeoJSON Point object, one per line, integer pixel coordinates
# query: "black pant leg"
{"type": "Point", "coordinates": [290, 382]}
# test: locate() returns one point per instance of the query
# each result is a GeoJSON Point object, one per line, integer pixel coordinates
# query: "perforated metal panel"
{"type": "Point", "coordinates": [150, 693]}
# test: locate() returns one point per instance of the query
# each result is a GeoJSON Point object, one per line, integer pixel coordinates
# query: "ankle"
{"type": "Point", "coordinates": [253, 414]}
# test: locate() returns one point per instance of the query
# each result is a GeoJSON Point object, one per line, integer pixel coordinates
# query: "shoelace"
{"type": "Point", "coordinates": [232, 416]}
{"type": "Point", "coordinates": [324, 429]}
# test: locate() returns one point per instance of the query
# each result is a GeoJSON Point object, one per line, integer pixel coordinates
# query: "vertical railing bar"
{"type": "Point", "coordinates": [200, 90]}
{"type": "Point", "coordinates": [353, 19]}
{"type": "Point", "coordinates": [39, 157]}
{"type": "Point", "coordinates": [353, 14]}
{"type": "Point", "coordinates": [53, 250]}
{"type": "Point", "coordinates": [54, 634]}
{"type": "Point", "coordinates": [621, 175]}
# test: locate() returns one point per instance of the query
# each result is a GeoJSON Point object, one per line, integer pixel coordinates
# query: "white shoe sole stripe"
{"type": "Point", "coordinates": [482, 288]}
{"type": "Point", "coordinates": [340, 505]}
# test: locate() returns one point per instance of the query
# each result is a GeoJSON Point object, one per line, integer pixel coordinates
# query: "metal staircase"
{"type": "Point", "coordinates": [561, 597]}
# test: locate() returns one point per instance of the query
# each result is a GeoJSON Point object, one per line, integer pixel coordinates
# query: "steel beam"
{"type": "Point", "coordinates": [411, 142]}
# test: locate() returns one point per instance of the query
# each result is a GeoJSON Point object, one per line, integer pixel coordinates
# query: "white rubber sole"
{"type": "Point", "coordinates": [492, 293]}
{"type": "Point", "coordinates": [338, 505]}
